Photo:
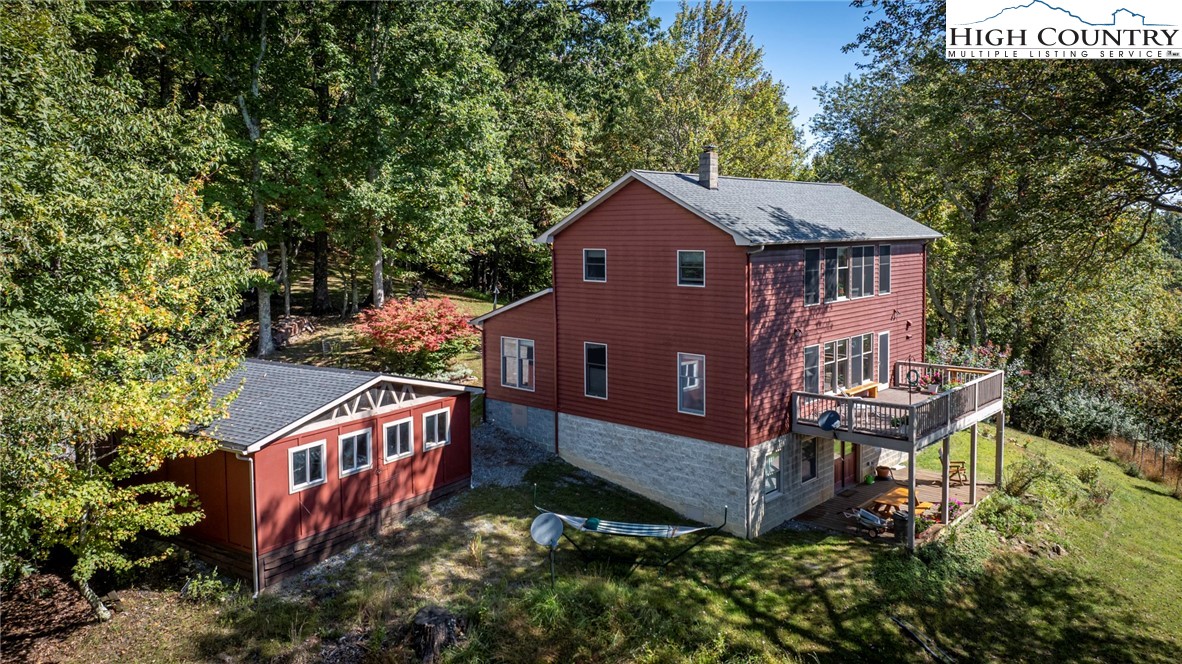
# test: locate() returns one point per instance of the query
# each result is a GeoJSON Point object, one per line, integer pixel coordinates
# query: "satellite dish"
{"type": "Point", "coordinates": [546, 529]}
{"type": "Point", "coordinates": [829, 420]}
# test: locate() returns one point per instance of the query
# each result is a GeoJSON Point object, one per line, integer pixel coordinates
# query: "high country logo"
{"type": "Point", "coordinates": [1066, 29]}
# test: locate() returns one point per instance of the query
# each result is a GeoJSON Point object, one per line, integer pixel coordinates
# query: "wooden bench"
{"type": "Point", "coordinates": [869, 390]}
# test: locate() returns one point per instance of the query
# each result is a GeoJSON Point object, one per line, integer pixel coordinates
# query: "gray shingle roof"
{"type": "Point", "coordinates": [783, 212]}
{"type": "Point", "coordinates": [276, 395]}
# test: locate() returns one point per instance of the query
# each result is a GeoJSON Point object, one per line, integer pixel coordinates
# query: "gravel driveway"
{"type": "Point", "coordinates": [500, 458]}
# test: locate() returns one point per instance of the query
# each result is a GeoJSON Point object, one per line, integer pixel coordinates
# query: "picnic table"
{"type": "Point", "coordinates": [892, 500]}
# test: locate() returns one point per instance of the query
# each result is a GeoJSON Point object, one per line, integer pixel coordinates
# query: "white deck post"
{"type": "Point", "coordinates": [947, 452]}
{"type": "Point", "coordinates": [911, 498]}
{"type": "Point", "coordinates": [973, 464]}
{"type": "Point", "coordinates": [1001, 448]}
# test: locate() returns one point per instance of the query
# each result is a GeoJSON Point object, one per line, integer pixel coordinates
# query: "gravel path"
{"type": "Point", "coordinates": [500, 458]}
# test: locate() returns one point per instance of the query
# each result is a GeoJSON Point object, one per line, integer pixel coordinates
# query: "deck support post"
{"type": "Point", "coordinates": [944, 488]}
{"type": "Point", "coordinates": [1001, 449]}
{"type": "Point", "coordinates": [973, 464]}
{"type": "Point", "coordinates": [911, 500]}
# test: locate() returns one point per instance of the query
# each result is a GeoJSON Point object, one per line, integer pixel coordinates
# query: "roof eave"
{"type": "Point", "coordinates": [479, 320]}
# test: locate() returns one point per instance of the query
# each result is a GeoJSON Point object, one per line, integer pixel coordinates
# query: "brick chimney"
{"type": "Point", "coordinates": [708, 168]}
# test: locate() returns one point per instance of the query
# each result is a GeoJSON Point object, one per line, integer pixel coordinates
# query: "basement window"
{"type": "Point", "coordinates": [306, 466]}
{"type": "Point", "coordinates": [808, 459]}
{"type": "Point", "coordinates": [771, 474]}
{"type": "Point", "coordinates": [436, 429]}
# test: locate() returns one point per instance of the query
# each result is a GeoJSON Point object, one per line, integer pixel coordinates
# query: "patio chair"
{"type": "Point", "coordinates": [956, 471]}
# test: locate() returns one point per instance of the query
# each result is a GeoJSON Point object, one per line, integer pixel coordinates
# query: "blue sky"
{"type": "Point", "coordinates": [801, 42]}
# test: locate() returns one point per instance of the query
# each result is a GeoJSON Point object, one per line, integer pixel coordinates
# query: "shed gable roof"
{"type": "Point", "coordinates": [276, 397]}
{"type": "Point", "coordinates": [756, 212]}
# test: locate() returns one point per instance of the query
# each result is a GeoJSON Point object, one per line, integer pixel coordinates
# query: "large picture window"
{"type": "Point", "coordinates": [884, 268]}
{"type": "Point", "coordinates": [399, 438]}
{"type": "Point", "coordinates": [595, 265]}
{"type": "Point", "coordinates": [837, 273]}
{"type": "Point", "coordinates": [517, 363]}
{"type": "Point", "coordinates": [354, 452]}
{"type": "Point", "coordinates": [691, 268]}
{"type": "Point", "coordinates": [812, 276]}
{"type": "Point", "coordinates": [595, 370]}
{"type": "Point", "coordinates": [306, 465]}
{"type": "Point", "coordinates": [436, 428]}
{"type": "Point", "coordinates": [691, 383]}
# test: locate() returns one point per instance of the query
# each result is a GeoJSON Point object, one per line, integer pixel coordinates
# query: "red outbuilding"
{"type": "Point", "coordinates": [313, 459]}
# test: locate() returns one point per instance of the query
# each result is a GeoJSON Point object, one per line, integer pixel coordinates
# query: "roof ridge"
{"type": "Point", "coordinates": [739, 177]}
{"type": "Point", "coordinates": [313, 367]}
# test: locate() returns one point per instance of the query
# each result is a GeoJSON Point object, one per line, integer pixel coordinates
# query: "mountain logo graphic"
{"type": "Point", "coordinates": [1120, 13]}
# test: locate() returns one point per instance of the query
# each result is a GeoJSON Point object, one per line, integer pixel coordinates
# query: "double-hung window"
{"type": "Point", "coordinates": [862, 271]}
{"type": "Point", "coordinates": [354, 452]}
{"type": "Point", "coordinates": [862, 359]}
{"type": "Point", "coordinates": [837, 365]}
{"type": "Point", "coordinates": [771, 473]}
{"type": "Point", "coordinates": [306, 465]}
{"type": "Point", "coordinates": [837, 273]}
{"type": "Point", "coordinates": [436, 428]}
{"type": "Point", "coordinates": [691, 384]}
{"type": "Point", "coordinates": [691, 268]}
{"type": "Point", "coordinates": [884, 268]}
{"type": "Point", "coordinates": [517, 363]}
{"type": "Point", "coordinates": [399, 438]}
{"type": "Point", "coordinates": [812, 369]}
{"type": "Point", "coordinates": [595, 370]}
{"type": "Point", "coordinates": [812, 276]}
{"type": "Point", "coordinates": [595, 265]}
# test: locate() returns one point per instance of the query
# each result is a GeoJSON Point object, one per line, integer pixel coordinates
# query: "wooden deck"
{"type": "Point", "coordinates": [828, 515]}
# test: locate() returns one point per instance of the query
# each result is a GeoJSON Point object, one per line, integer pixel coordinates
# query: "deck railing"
{"type": "Point", "coordinates": [976, 389]}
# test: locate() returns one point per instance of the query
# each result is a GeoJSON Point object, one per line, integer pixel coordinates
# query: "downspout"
{"type": "Point", "coordinates": [557, 380]}
{"type": "Point", "coordinates": [254, 529]}
{"type": "Point", "coordinates": [748, 516]}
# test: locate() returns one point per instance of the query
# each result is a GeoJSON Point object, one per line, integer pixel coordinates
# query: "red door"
{"type": "Point", "coordinates": [845, 464]}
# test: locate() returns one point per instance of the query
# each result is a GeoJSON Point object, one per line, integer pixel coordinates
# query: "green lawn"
{"type": "Point", "coordinates": [789, 596]}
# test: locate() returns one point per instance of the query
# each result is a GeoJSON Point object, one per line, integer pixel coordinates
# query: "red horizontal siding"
{"type": "Point", "coordinates": [645, 318]}
{"type": "Point", "coordinates": [532, 320]}
{"type": "Point", "coordinates": [284, 518]}
{"type": "Point", "coordinates": [778, 311]}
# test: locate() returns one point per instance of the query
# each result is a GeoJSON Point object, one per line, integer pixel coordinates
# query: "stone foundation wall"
{"type": "Point", "coordinates": [533, 424]}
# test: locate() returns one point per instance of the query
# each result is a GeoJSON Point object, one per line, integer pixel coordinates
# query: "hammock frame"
{"type": "Point", "coordinates": [625, 529]}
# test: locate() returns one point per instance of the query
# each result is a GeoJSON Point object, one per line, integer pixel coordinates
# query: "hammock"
{"type": "Point", "coordinates": [626, 529]}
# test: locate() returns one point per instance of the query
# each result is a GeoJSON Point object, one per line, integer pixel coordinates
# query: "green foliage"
{"type": "Point", "coordinates": [209, 588]}
{"type": "Point", "coordinates": [938, 568]}
{"type": "Point", "coordinates": [1074, 415]}
{"type": "Point", "coordinates": [117, 295]}
{"type": "Point", "coordinates": [1009, 515]}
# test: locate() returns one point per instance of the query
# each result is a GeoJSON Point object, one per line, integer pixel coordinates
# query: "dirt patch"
{"type": "Point", "coordinates": [42, 610]}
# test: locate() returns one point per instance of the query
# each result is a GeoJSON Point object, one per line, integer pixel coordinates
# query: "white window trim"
{"type": "Point", "coordinates": [534, 375]}
{"type": "Point", "coordinates": [779, 491]}
{"type": "Point", "coordinates": [447, 440]}
{"type": "Point", "coordinates": [595, 281]}
{"type": "Point", "coordinates": [878, 269]}
{"type": "Point", "coordinates": [606, 384]}
{"type": "Point", "coordinates": [816, 461]}
{"type": "Point", "coordinates": [291, 452]}
{"type": "Point", "coordinates": [878, 356]}
{"type": "Point", "coordinates": [820, 368]}
{"type": "Point", "coordinates": [820, 276]}
{"type": "Point", "coordinates": [678, 266]}
{"type": "Point", "coordinates": [385, 436]}
{"type": "Point", "coordinates": [341, 457]}
{"type": "Point", "coordinates": [873, 270]}
{"type": "Point", "coordinates": [701, 379]}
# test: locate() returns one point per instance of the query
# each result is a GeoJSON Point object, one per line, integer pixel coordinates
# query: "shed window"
{"type": "Point", "coordinates": [812, 276]}
{"type": "Point", "coordinates": [517, 363]}
{"type": "Point", "coordinates": [884, 268]}
{"type": "Point", "coordinates": [808, 459]}
{"type": "Point", "coordinates": [691, 268]}
{"type": "Point", "coordinates": [595, 265]}
{"type": "Point", "coordinates": [306, 464]}
{"type": "Point", "coordinates": [436, 429]}
{"type": "Point", "coordinates": [595, 370]}
{"type": "Point", "coordinates": [862, 271]}
{"type": "Point", "coordinates": [691, 383]}
{"type": "Point", "coordinates": [399, 439]}
{"type": "Point", "coordinates": [837, 273]}
{"type": "Point", "coordinates": [354, 452]}
{"type": "Point", "coordinates": [771, 474]}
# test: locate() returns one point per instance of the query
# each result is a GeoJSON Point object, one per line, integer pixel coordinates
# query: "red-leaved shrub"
{"type": "Point", "coordinates": [419, 337]}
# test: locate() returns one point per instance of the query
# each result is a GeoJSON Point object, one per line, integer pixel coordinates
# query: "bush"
{"type": "Point", "coordinates": [1074, 416]}
{"type": "Point", "coordinates": [937, 567]}
{"type": "Point", "coordinates": [417, 337]}
{"type": "Point", "coordinates": [208, 588]}
{"type": "Point", "coordinates": [1007, 515]}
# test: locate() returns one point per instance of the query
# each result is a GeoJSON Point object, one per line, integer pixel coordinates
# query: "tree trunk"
{"type": "Point", "coordinates": [258, 212]}
{"type": "Point", "coordinates": [285, 276]}
{"type": "Point", "coordinates": [321, 303]}
{"type": "Point", "coordinates": [379, 280]}
{"type": "Point", "coordinates": [96, 603]}
{"type": "Point", "coordinates": [354, 305]}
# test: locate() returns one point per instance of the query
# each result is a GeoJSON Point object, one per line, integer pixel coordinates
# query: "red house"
{"type": "Point", "coordinates": [313, 459]}
{"type": "Point", "coordinates": [697, 327]}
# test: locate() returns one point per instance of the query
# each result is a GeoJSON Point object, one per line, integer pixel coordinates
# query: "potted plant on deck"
{"type": "Point", "coordinates": [930, 382]}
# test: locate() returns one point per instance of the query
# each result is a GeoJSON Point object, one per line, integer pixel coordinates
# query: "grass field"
{"type": "Point", "coordinates": [789, 596]}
